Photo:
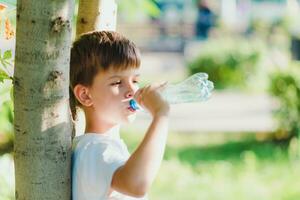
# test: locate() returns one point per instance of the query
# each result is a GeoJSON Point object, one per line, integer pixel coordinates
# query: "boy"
{"type": "Point", "coordinates": [104, 77]}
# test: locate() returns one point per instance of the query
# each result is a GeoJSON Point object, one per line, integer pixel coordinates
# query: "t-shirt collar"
{"type": "Point", "coordinates": [114, 132]}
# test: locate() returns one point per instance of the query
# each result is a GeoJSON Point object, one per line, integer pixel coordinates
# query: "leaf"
{"type": "Point", "coordinates": [4, 64]}
{"type": "Point", "coordinates": [3, 75]}
{"type": "Point", "coordinates": [7, 55]}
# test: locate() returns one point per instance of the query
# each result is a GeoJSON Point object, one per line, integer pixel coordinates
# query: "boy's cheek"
{"type": "Point", "coordinates": [115, 90]}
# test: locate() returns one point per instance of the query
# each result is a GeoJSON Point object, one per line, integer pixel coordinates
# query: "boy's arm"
{"type": "Point", "coordinates": [137, 174]}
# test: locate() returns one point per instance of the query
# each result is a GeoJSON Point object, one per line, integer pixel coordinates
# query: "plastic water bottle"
{"type": "Point", "coordinates": [195, 88]}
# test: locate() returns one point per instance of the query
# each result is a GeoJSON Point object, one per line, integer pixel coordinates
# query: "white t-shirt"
{"type": "Point", "coordinates": [95, 157]}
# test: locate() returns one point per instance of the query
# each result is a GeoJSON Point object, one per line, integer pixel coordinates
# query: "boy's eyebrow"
{"type": "Point", "coordinates": [118, 76]}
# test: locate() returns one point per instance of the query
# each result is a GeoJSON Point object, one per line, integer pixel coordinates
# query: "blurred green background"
{"type": "Point", "coordinates": [251, 50]}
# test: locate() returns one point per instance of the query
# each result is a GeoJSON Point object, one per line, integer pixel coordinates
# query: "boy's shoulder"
{"type": "Point", "coordinates": [108, 150]}
{"type": "Point", "coordinates": [91, 140]}
{"type": "Point", "coordinates": [94, 142]}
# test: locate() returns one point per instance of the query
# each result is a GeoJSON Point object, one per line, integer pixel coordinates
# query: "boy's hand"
{"type": "Point", "coordinates": [149, 98]}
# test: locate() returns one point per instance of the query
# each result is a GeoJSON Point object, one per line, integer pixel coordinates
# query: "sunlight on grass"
{"type": "Point", "coordinates": [201, 166]}
{"type": "Point", "coordinates": [211, 167]}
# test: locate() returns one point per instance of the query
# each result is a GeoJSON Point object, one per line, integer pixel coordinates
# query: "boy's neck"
{"type": "Point", "coordinates": [95, 125]}
{"type": "Point", "coordinates": [98, 128]}
{"type": "Point", "coordinates": [113, 132]}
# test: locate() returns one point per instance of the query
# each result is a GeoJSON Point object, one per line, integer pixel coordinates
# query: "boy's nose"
{"type": "Point", "coordinates": [130, 92]}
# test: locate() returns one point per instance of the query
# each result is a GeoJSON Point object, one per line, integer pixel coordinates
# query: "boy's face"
{"type": "Point", "coordinates": [110, 94]}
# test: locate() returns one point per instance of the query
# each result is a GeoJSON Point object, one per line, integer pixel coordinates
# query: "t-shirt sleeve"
{"type": "Point", "coordinates": [100, 162]}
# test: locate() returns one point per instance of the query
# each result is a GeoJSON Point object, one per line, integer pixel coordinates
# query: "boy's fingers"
{"type": "Point", "coordinates": [162, 86]}
{"type": "Point", "coordinates": [138, 93]}
{"type": "Point", "coordinates": [156, 86]}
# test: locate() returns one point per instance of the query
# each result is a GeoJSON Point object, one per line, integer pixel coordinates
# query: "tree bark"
{"type": "Point", "coordinates": [42, 149]}
{"type": "Point", "coordinates": [96, 15]}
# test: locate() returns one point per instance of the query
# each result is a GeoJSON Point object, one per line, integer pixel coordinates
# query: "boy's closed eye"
{"type": "Point", "coordinates": [120, 82]}
{"type": "Point", "coordinates": [116, 83]}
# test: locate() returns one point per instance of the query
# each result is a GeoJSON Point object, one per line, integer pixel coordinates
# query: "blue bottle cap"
{"type": "Point", "coordinates": [133, 104]}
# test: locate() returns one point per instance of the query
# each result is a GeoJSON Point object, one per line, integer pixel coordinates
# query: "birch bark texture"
{"type": "Point", "coordinates": [43, 126]}
{"type": "Point", "coordinates": [96, 15]}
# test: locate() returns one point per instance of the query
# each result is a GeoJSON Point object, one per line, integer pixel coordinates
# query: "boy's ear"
{"type": "Point", "coordinates": [81, 93]}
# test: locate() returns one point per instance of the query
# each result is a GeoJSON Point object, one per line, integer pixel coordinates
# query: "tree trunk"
{"type": "Point", "coordinates": [96, 15]}
{"type": "Point", "coordinates": [42, 126]}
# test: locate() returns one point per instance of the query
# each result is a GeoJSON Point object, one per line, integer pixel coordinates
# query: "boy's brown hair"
{"type": "Point", "coordinates": [99, 51]}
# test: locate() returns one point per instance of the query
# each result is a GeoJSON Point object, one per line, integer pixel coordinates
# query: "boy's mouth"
{"type": "Point", "coordinates": [131, 109]}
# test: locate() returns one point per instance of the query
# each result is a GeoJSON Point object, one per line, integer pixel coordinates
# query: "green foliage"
{"type": "Point", "coordinates": [6, 104]}
{"type": "Point", "coordinates": [9, 2]}
{"type": "Point", "coordinates": [238, 167]}
{"type": "Point", "coordinates": [6, 116]}
{"type": "Point", "coordinates": [131, 8]}
{"type": "Point", "coordinates": [5, 65]}
{"type": "Point", "coordinates": [6, 127]}
{"type": "Point", "coordinates": [285, 86]}
{"type": "Point", "coordinates": [6, 68]}
{"type": "Point", "coordinates": [230, 63]}
{"type": "Point", "coordinates": [3, 75]}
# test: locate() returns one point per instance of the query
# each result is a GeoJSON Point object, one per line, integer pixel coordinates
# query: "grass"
{"type": "Point", "coordinates": [224, 166]}
{"type": "Point", "coordinates": [212, 167]}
